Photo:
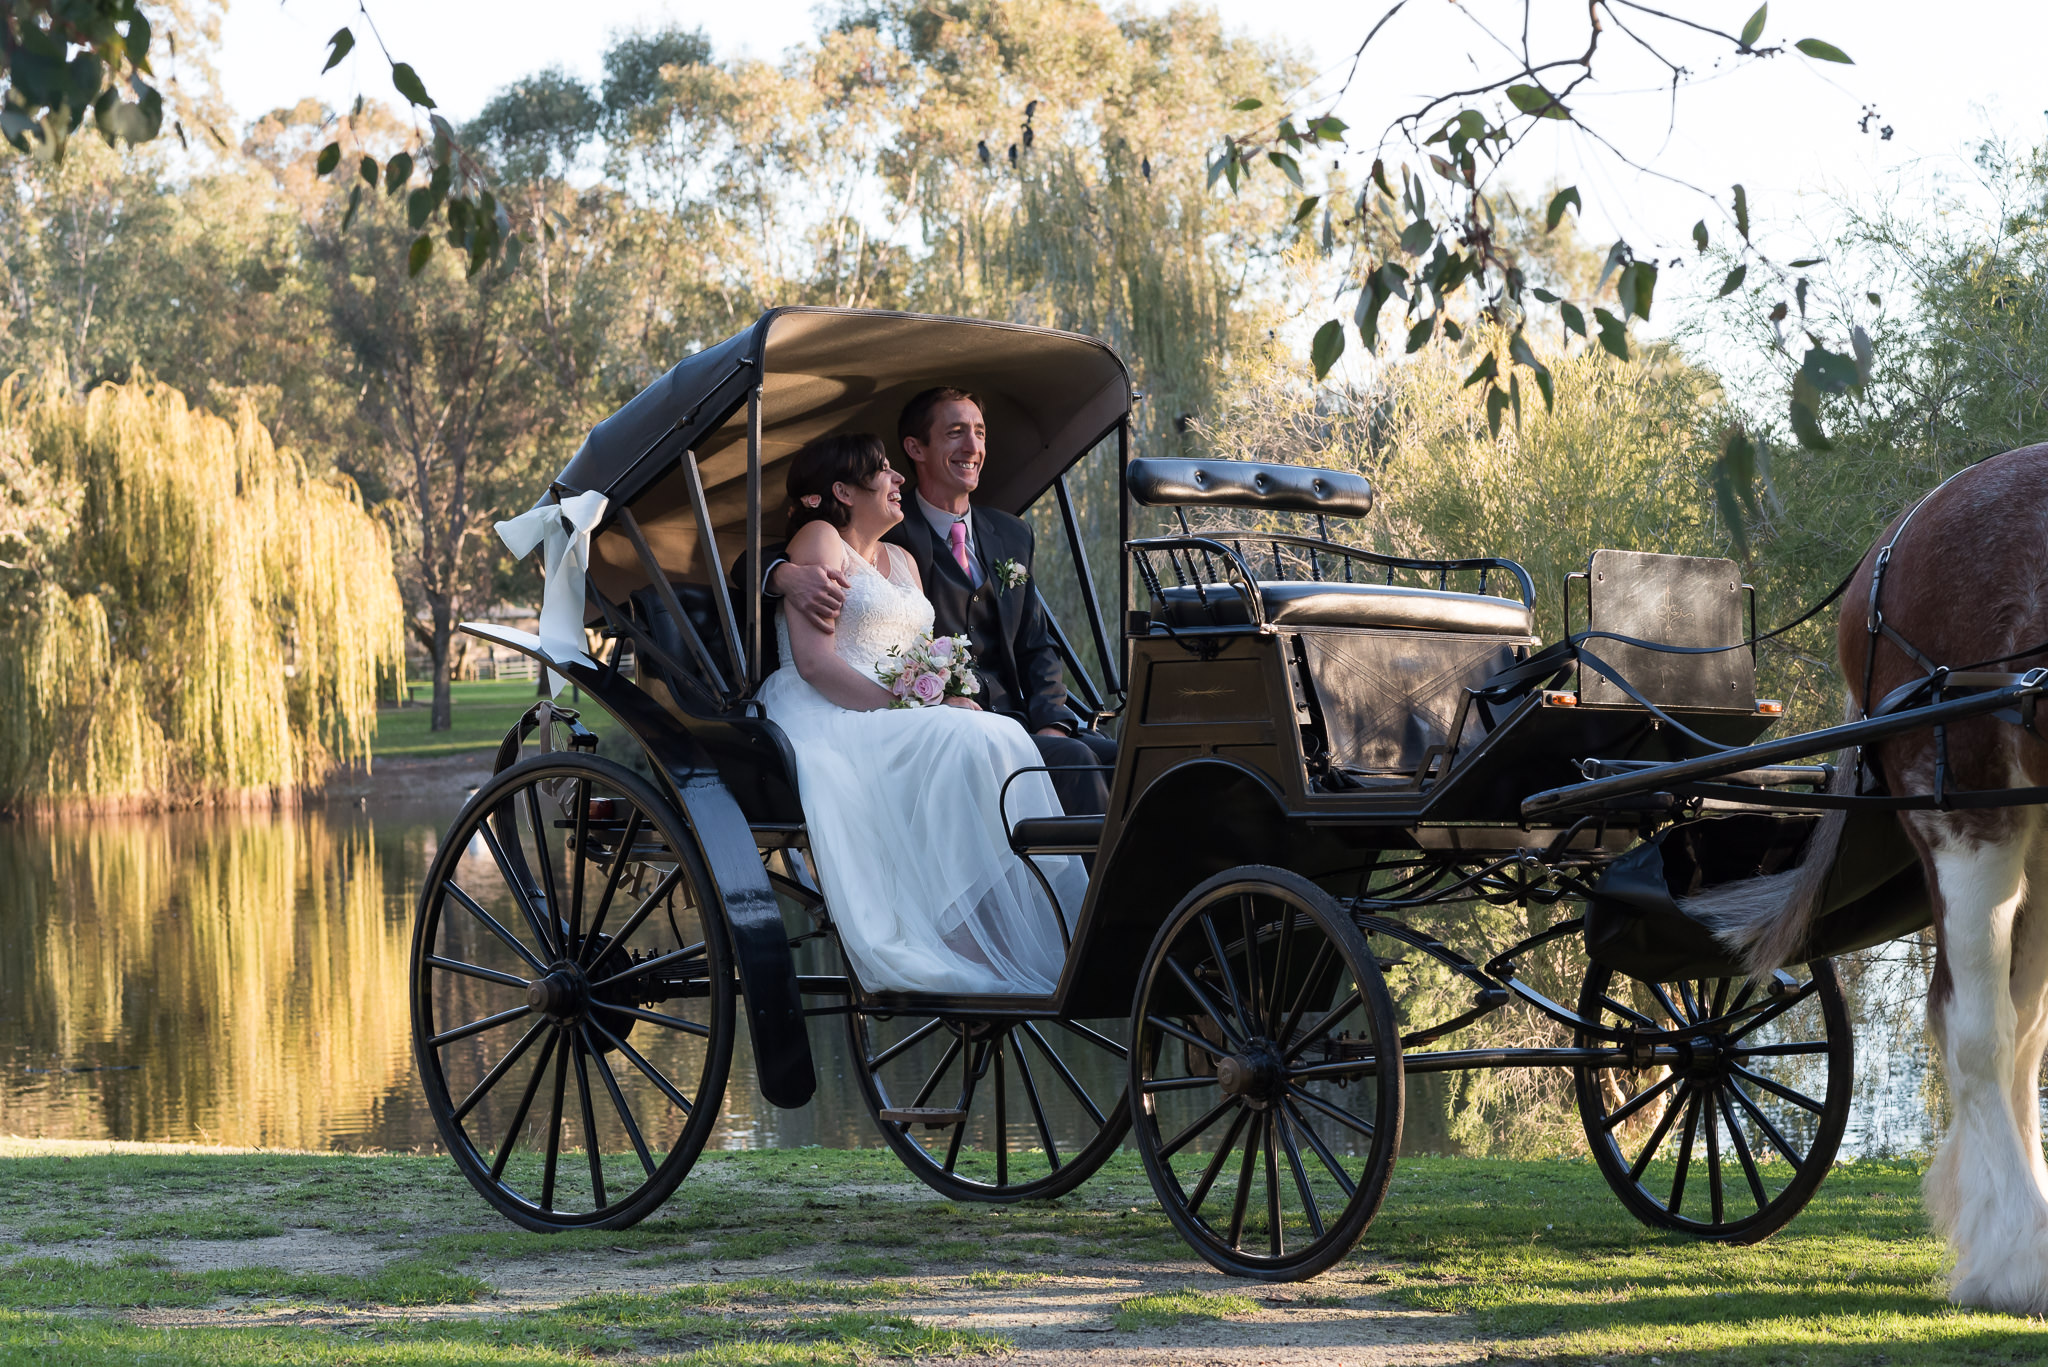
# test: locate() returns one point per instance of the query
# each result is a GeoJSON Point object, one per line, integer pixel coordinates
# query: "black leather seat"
{"type": "Point", "coordinates": [1323, 604]}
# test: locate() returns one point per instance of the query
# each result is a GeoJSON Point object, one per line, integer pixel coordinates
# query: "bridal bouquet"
{"type": "Point", "coordinates": [930, 671]}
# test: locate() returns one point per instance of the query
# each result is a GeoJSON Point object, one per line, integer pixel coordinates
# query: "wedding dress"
{"type": "Point", "coordinates": [901, 807]}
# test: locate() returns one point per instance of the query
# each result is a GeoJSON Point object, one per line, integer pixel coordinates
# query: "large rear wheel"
{"type": "Point", "coordinates": [572, 994]}
{"type": "Point", "coordinates": [1266, 1075]}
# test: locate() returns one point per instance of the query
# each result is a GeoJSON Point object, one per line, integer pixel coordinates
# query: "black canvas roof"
{"type": "Point", "coordinates": [1050, 397]}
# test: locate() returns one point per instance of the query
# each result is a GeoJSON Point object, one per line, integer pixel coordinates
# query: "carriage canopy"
{"type": "Point", "coordinates": [1050, 397]}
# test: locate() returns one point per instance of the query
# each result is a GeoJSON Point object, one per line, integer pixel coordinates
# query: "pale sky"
{"type": "Point", "coordinates": [1940, 76]}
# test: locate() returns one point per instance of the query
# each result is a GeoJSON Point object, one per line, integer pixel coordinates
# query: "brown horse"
{"type": "Point", "coordinates": [1966, 583]}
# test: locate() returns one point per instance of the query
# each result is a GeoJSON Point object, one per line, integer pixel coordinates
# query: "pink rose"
{"type": "Point", "coordinates": [942, 650]}
{"type": "Point", "coordinates": [928, 688]}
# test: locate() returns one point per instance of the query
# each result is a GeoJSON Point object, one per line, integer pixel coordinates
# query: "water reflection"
{"type": "Point", "coordinates": [240, 978]}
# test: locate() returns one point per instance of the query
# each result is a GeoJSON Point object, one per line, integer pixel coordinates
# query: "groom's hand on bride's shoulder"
{"type": "Point", "coordinates": [813, 592]}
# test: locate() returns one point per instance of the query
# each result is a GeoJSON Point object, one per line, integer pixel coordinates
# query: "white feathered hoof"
{"type": "Point", "coordinates": [1997, 1233]}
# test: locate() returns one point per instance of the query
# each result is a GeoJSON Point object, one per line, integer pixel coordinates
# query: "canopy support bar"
{"type": "Point", "coordinates": [753, 661]}
{"type": "Point", "coordinates": [719, 593]}
{"type": "Point", "coordinates": [667, 593]}
{"type": "Point", "coordinates": [1087, 578]}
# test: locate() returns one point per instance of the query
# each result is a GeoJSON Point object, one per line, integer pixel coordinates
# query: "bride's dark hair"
{"type": "Point", "coordinates": [844, 458]}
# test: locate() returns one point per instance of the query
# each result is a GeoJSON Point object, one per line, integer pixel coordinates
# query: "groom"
{"type": "Point", "coordinates": [976, 566]}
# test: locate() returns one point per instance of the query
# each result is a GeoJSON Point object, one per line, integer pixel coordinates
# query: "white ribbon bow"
{"type": "Point", "coordinates": [562, 530]}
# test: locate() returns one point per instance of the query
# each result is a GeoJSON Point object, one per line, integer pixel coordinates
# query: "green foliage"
{"type": "Point", "coordinates": [61, 61]}
{"type": "Point", "coordinates": [189, 612]}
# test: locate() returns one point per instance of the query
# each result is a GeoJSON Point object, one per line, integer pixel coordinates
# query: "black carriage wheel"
{"type": "Point", "coordinates": [993, 1109]}
{"type": "Point", "coordinates": [1727, 1130]}
{"type": "Point", "coordinates": [572, 995]}
{"type": "Point", "coordinates": [1266, 1072]}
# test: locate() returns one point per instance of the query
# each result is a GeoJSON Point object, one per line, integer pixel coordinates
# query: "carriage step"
{"type": "Point", "coordinates": [931, 1117]}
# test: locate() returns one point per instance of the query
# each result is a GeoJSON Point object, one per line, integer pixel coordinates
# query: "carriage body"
{"type": "Point", "coordinates": [1310, 732]}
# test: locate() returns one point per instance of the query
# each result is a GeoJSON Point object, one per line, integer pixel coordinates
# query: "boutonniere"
{"type": "Point", "coordinates": [1011, 575]}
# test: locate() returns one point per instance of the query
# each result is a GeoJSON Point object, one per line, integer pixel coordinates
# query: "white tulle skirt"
{"type": "Point", "coordinates": [917, 870]}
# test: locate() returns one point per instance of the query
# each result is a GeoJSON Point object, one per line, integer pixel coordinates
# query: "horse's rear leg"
{"type": "Point", "coordinates": [2030, 1004]}
{"type": "Point", "coordinates": [1982, 1190]}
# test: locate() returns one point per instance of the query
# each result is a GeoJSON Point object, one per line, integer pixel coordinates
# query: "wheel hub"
{"type": "Point", "coordinates": [562, 994]}
{"type": "Point", "coordinates": [1255, 1075]}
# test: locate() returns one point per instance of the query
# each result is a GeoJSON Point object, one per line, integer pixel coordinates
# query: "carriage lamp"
{"type": "Point", "coordinates": [1769, 707]}
{"type": "Point", "coordinates": [1560, 697]}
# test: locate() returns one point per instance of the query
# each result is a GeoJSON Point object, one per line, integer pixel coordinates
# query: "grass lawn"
{"type": "Point", "coordinates": [826, 1257]}
{"type": "Point", "coordinates": [481, 712]}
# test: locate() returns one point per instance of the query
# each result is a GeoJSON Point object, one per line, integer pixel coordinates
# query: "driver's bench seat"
{"type": "Point", "coordinates": [1325, 603]}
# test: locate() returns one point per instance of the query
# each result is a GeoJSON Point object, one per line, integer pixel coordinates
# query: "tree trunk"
{"type": "Point", "coordinates": [441, 653]}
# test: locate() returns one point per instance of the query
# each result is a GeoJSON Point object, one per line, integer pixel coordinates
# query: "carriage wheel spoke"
{"type": "Point", "coordinates": [688, 1027]}
{"type": "Point", "coordinates": [1777, 1009]}
{"type": "Point", "coordinates": [1629, 1013]}
{"type": "Point", "coordinates": [1308, 1197]}
{"type": "Point", "coordinates": [1244, 1181]}
{"type": "Point", "coordinates": [1322, 1150]}
{"type": "Point", "coordinates": [1067, 1075]}
{"type": "Point", "coordinates": [1691, 1001]}
{"type": "Point", "coordinates": [521, 894]}
{"type": "Point", "coordinates": [1002, 1113]}
{"type": "Point", "coordinates": [1779, 1089]}
{"type": "Point", "coordinates": [1782, 1050]}
{"type": "Point", "coordinates": [1770, 1131]}
{"type": "Point", "coordinates": [977, 1065]}
{"type": "Point", "coordinates": [1188, 1036]}
{"type": "Point", "coordinates": [1322, 1027]}
{"type": "Point", "coordinates": [1231, 1034]}
{"type": "Point", "coordinates": [1720, 996]}
{"type": "Point", "coordinates": [589, 1126]}
{"type": "Point", "coordinates": [1713, 1124]}
{"type": "Point", "coordinates": [462, 1032]}
{"type": "Point", "coordinates": [1254, 975]}
{"type": "Point", "coordinates": [909, 1041]}
{"type": "Point", "coordinates": [1692, 1124]}
{"type": "Point", "coordinates": [1671, 1008]}
{"type": "Point", "coordinates": [620, 854]}
{"type": "Point", "coordinates": [1283, 955]}
{"type": "Point", "coordinates": [641, 913]}
{"type": "Point", "coordinates": [611, 1085]}
{"type": "Point", "coordinates": [1306, 992]}
{"type": "Point", "coordinates": [489, 975]}
{"type": "Point", "coordinates": [551, 894]}
{"type": "Point", "coordinates": [1276, 1239]}
{"type": "Point", "coordinates": [1638, 1101]}
{"type": "Point", "coordinates": [1223, 1151]}
{"type": "Point", "coordinates": [931, 1083]}
{"type": "Point", "coordinates": [579, 858]}
{"type": "Point", "coordinates": [1179, 1084]}
{"type": "Point", "coordinates": [1742, 1154]}
{"type": "Point", "coordinates": [475, 909]}
{"type": "Point", "coordinates": [1052, 1150]}
{"type": "Point", "coordinates": [547, 1176]}
{"type": "Point", "coordinates": [1096, 1038]}
{"type": "Point", "coordinates": [540, 1070]}
{"type": "Point", "coordinates": [1223, 970]}
{"type": "Point", "coordinates": [1195, 1130]}
{"type": "Point", "coordinates": [1336, 1113]}
{"type": "Point", "coordinates": [649, 965]}
{"type": "Point", "coordinates": [1656, 1141]}
{"type": "Point", "coordinates": [652, 1073]}
{"type": "Point", "coordinates": [498, 1071]}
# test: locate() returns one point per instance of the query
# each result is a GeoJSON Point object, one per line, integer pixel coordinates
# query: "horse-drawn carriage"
{"type": "Point", "coordinates": [1315, 739]}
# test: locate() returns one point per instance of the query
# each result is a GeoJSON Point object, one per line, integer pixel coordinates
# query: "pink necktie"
{"type": "Point", "coordinates": [956, 537]}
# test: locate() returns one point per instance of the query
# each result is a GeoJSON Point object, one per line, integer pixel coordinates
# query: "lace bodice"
{"type": "Point", "coordinates": [881, 612]}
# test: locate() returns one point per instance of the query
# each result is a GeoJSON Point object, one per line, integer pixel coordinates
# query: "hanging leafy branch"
{"type": "Point", "coordinates": [1427, 230]}
{"type": "Point", "coordinates": [61, 60]}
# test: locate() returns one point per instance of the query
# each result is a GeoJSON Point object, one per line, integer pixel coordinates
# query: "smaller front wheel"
{"type": "Point", "coordinates": [1266, 1078]}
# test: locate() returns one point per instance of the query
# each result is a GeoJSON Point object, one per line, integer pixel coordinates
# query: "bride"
{"type": "Point", "coordinates": [901, 803]}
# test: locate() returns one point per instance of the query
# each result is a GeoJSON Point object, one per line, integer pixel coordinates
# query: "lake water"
{"type": "Point", "coordinates": [240, 978]}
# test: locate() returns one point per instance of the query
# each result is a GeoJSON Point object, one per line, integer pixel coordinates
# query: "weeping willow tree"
{"type": "Point", "coordinates": [186, 615]}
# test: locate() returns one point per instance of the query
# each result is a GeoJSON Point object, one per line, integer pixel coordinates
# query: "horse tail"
{"type": "Point", "coordinates": [1768, 922]}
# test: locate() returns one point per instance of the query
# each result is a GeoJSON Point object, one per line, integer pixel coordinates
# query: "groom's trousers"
{"type": "Point", "coordinates": [1082, 792]}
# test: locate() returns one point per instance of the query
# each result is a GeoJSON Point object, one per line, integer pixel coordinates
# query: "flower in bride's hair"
{"type": "Point", "coordinates": [811, 500]}
{"type": "Point", "coordinates": [929, 688]}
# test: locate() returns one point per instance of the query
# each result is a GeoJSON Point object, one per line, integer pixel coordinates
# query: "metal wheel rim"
{"type": "Point", "coordinates": [1293, 1146]}
{"type": "Point", "coordinates": [568, 1043]}
{"type": "Point", "coordinates": [1725, 1121]}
